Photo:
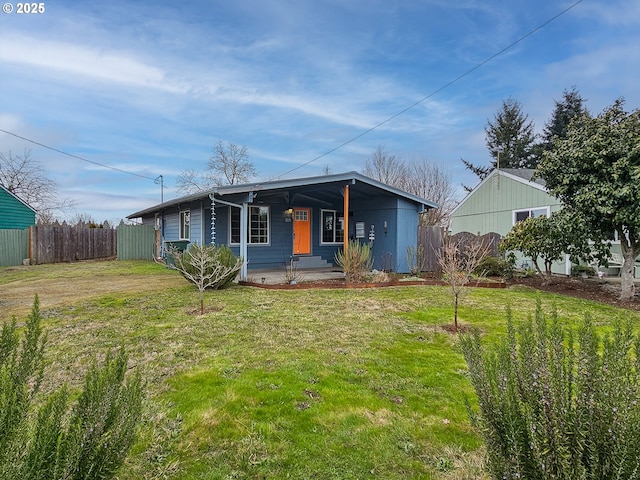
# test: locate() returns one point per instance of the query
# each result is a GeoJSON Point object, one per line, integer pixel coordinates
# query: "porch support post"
{"type": "Point", "coordinates": [244, 236]}
{"type": "Point", "coordinates": [346, 218]}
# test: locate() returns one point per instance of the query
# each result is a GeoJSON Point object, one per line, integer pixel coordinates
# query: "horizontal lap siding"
{"type": "Point", "coordinates": [13, 213]}
{"type": "Point", "coordinates": [490, 208]}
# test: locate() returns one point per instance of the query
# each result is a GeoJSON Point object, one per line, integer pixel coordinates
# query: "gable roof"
{"type": "Point", "coordinates": [525, 176]}
{"type": "Point", "coordinates": [348, 177]}
{"type": "Point", "coordinates": [18, 199]}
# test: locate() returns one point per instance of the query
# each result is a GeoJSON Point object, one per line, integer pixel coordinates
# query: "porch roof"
{"type": "Point", "coordinates": [322, 189]}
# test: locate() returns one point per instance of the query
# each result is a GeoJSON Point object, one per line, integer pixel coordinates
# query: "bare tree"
{"type": "Point", "coordinates": [431, 181]}
{"type": "Point", "coordinates": [420, 177]}
{"type": "Point", "coordinates": [190, 181]}
{"type": "Point", "coordinates": [229, 165]}
{"type": "Point", "coordinates": [458, 261]}
{"type": "Point", "coordinates": [25, 177]}
{"type": "Point", "coordinates": [385, 168]}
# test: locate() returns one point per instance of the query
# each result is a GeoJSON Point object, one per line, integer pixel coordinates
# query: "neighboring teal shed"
{"type": "Point", "coordinates": [14, 213]}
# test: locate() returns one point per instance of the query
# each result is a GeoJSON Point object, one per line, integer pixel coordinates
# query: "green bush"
{"type": "Point", "coordinates": [356, 262]}
{"type": "Point", "coordinates": [44, 438]}
{"type": "Point", "coordinates": [578, 270]}
{"type": "Point", "coordinates": [491, 266]}
{"type": "Point", "coordinates": [553, 408]}
{"type": "Point", "coordinates": [217, 258]}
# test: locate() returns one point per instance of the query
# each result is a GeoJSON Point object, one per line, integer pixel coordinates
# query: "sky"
{"type": "Point", "coordinates": [149, 87]}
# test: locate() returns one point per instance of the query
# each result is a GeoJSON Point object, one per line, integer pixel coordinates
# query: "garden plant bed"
{"type": "Point", "coordinates": [589, 289]}
{"type": "Point", "coordinates": [340, 283]}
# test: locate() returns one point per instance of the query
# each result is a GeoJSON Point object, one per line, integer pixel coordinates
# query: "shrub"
{"type": "Point", "coordinates": [553, 408]}
{"type": "Point", "coordinates": [207, 266]}
{"type": "Point", "coordinates": [45, 439]}
{"type": "Point", "coordinates": [491, 266]}
{"type": "Point", "coordinates": [415, 259]}
{"type": "Point", "coordinates": [356, 261]}
{"type": "Point", "coordinates": [215, 262]}
{"type": "Point", "coordinates": [578, 270]}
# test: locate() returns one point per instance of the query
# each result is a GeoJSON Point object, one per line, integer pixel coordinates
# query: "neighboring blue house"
{"type": "Point", "coordinates": [14, 213]}
{"type": "Point", "coordinates": [271, 223]}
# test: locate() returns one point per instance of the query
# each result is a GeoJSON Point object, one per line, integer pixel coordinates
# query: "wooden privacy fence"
{"type": "Point", "coordinates": [62, 243]}
{"type": "Point", "coordinates": [432, 239]}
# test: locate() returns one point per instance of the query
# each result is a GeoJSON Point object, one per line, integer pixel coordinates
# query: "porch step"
{"type": "Point", "coordinates": [313, 261]}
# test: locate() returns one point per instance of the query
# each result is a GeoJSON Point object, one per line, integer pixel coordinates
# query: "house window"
{"type": "Point", "coordinates": [235, 225]}
{"type": "Point", "coordinates": [185, 224]}
{"type": "Point", "coordinates": [332, 227]}
{"type": "Point", "coordinates": [520, 215]}
{"type": "Point", "coordinates": [258, 225]}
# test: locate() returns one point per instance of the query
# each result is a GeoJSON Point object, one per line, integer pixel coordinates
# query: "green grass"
{"type": "Point", "coordinates": [317, 384]}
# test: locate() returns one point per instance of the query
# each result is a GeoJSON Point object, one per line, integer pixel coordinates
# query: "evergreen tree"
{"type": "Point", "coordinates": [510, 140]}
{"type": "Point", "coordinates": [571, 105]}
{"type": "Point", "coordinates": [510, 137]}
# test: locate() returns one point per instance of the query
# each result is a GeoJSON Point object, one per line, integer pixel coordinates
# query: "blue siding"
{"type": "Point", "coordinates": [389, 247]}
{"type": "Point", "coordinates": [407, 232]}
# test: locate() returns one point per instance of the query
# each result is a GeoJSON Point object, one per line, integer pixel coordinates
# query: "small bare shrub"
{"type": "Point", "coordinates": [416, 259]}
{"type": "Point", "coordinates": [207, 266]}
{"type": "Point", "coordinates": [458, 263]}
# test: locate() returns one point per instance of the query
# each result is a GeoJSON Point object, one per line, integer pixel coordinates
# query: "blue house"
{"type": "Point", "coordinates": [14, 213]}
{"type": "Point", "coordinates": [306, 220]}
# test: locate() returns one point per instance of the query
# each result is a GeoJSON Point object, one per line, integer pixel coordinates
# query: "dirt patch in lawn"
{"type": "Point", "coordinates": [588, 289]}
{"type": "Point", "coordinates": [16, 298]}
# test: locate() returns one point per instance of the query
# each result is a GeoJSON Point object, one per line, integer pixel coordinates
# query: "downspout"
{"type": "Point", "coordinates": [202, 222]}
{"type": "Point", "coordinates": [244, 219]}
{"type": "Point", "coordinates": [345, 240]}
{"type": "Point", "coordinates": [244, 231]}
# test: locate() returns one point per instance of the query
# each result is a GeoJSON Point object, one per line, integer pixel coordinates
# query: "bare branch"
{"type": "Point", "coordinates": [458, 261]}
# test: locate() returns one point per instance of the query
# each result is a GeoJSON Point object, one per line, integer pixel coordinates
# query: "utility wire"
{"type": "Point", "coordinates": [76, 156]}
{"type": "Point", "coordinates": [435, 92]}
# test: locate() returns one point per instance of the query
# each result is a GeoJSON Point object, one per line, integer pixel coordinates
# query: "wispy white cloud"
{"type": "Point", "coordinates": [73, 60]}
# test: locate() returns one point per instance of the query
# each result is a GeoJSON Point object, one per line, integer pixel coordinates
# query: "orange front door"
{"type": "Point", "coordinates": [301, 231]}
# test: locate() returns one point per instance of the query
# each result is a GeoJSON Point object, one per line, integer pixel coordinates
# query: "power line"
{"type": "Point", "coordinates": [435, 92]}
{"type": "Point", "coordinates": [76, 156]}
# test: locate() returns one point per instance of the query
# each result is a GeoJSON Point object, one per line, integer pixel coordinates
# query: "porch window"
{"type": "Point", "coordinates": [520, 215]}
{"type": "Point", "coordinates": [258, 225]}
{"type": "Point", "coordinates": [332, 227]}
{"type": "Point", "coordinates": [185, 224]}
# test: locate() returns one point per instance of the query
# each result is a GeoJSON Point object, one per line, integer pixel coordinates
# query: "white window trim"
{"type": "Point", "coordinates": [262, 244]}
{"type": "Point", "coordinates": [181, 225]}
{"type": "Point", "coordinates": [336, 219]}
{"type": "Point", "coordinates": [520, 210]}
{"type": "Point", "coordinates": [231, 209]}
{"type": "Point", "coordinates": [249, 244]}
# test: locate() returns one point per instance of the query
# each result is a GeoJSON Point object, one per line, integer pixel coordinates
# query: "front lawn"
{"type": "Point", "coordinates": [318, 384]}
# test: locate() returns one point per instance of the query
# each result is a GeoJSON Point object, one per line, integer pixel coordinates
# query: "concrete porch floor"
{"type": "Point", "coordinates": [275, 277]}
